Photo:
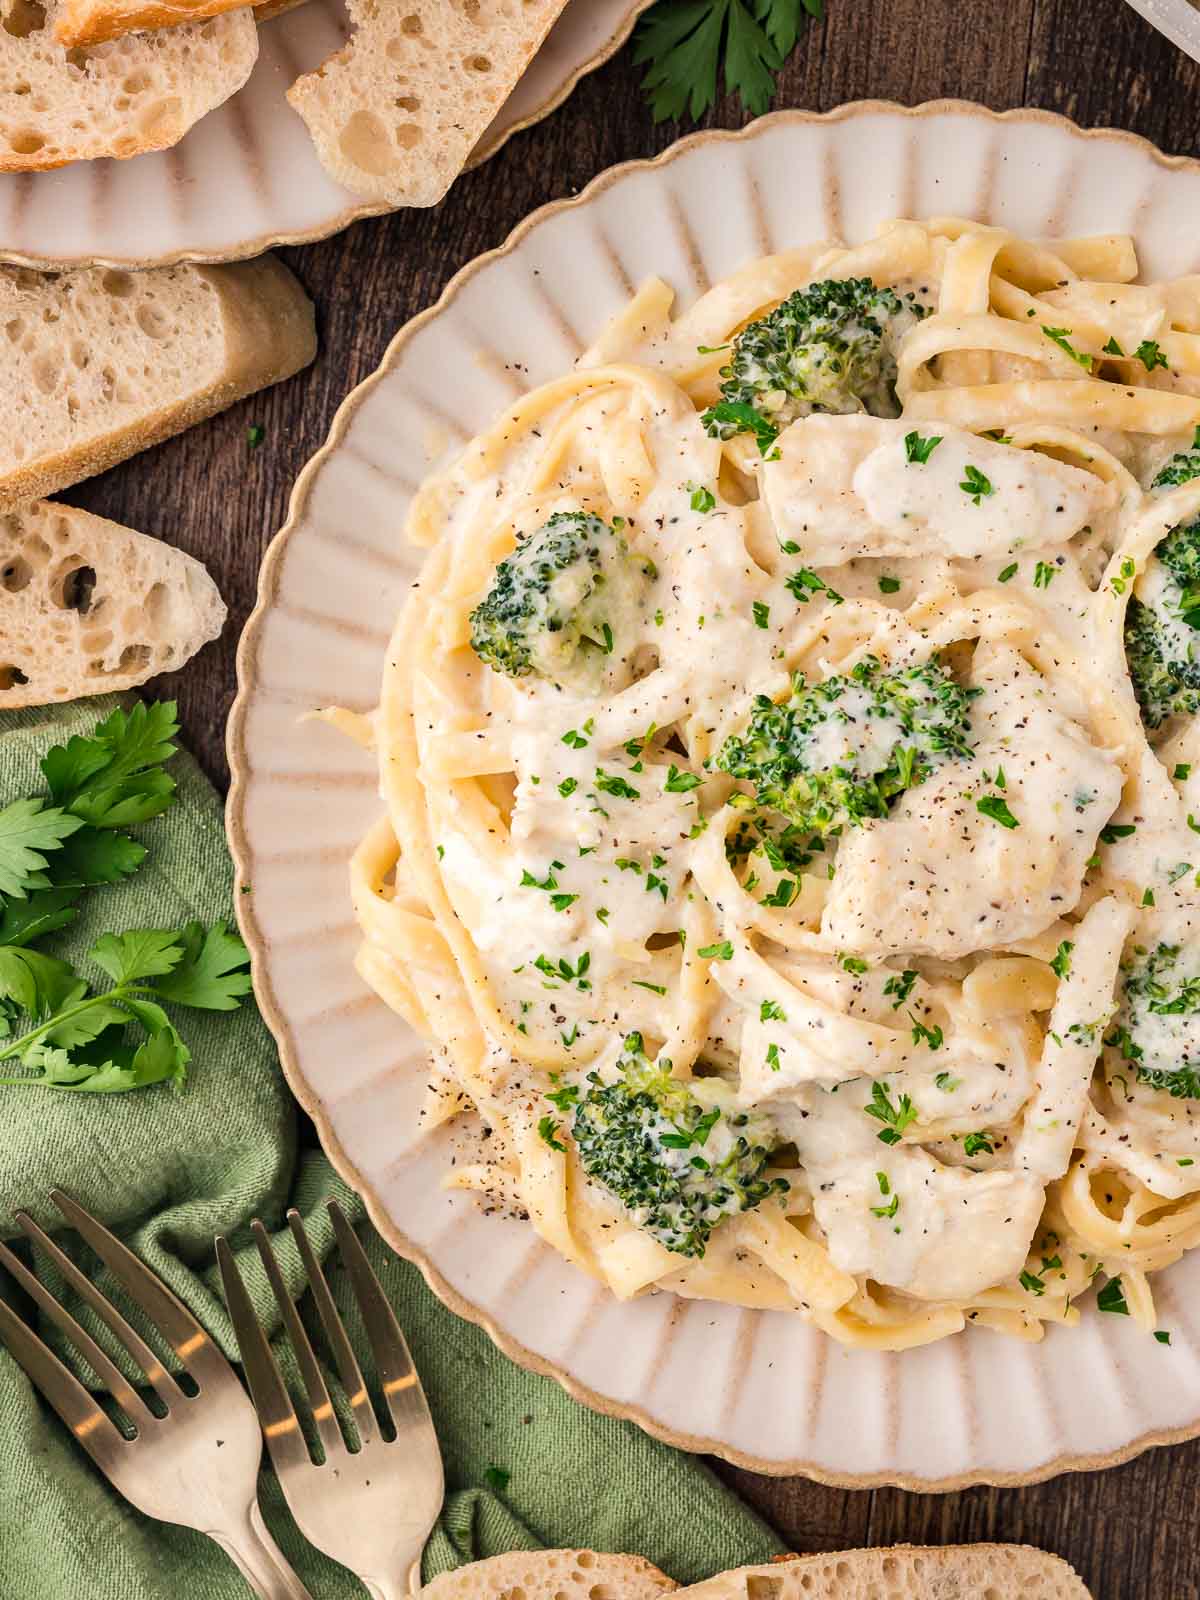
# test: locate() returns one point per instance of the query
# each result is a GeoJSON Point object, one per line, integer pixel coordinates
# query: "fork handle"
{"type": "Point", "coordinates": [260, 1560]}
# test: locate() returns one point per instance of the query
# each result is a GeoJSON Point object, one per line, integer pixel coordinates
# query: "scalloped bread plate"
{"type": "Point", "coordinates": [760, 1388]}
{"type": "Point", "coordinates": [247, 177]}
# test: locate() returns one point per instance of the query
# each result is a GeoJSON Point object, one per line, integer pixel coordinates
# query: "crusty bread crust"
{"type": "Point", "coordinates": [903, 1572]}
{"type": "Point", "coordinates": [88, 606]}
{"type": "Point", "coordinates": [125, 97]}
{"type": "Point", "coordinates": [104, 364]}
{"type": "Point", "coordinates": [396, 113]}
{"type": "Point", "coordinates": [552, 1575]}
{"type": "Point", "coordinates": [88, 22]}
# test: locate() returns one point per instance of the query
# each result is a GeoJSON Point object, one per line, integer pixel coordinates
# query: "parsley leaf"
{"type": "Point", "coordinates": [29, 831]}
{"type": "Point", "coordinates": [1112, 1298]}
{"type": "Point", "coordinates": [680, 42]}
{"type": "Point", "coordinates": [114, 778]}
{"type": "Point", "coordinates": [212, 973]}
{"type": "Point", "coordinates": [918, 449]}
{"type": "Point", "coordinates": [975, 484]}
{"type": "Point", "coordinates": [741, 415]}
{"type": "Point", "coordinates": [996, 807]}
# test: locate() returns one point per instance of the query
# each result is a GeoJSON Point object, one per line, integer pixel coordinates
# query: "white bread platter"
{"type": "Point", "coordinates": [246, 177]}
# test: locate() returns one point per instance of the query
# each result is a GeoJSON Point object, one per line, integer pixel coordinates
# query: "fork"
{"type": "Point", "coordinates": [371, 1508]}
{"type": "Point", "coordinates": [197, 1465]}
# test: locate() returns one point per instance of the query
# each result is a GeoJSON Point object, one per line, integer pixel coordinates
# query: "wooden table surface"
{"type": "Point", "coordinates": [1131, 1532]}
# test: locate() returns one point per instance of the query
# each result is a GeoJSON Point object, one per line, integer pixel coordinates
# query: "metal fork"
{"type": "Point", "coordinates": [198, 1464]}
{"type": "Point", "coordinates": [370, 1508]}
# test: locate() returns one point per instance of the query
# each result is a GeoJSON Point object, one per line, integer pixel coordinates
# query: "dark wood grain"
{"type": "Point", "coordinates": [1132, 1532]}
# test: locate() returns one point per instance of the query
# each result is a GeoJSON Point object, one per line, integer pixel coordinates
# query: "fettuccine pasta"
{"type": "Point", "coordinates": [790, 767]}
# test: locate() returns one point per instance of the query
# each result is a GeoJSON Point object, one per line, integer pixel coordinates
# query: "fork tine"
{"type": "Point", "coordinates": [280, 1425]}
{"type": "Point", "coordinates": [401, 1385]}
{"type": "Point", "coordinates": [343, 1354]}
{"type": "Point", "coordinates": [119, 1387]}
{"type": "Point", "coordinates": [163, 1382]}
{"type": "Point", "coordinates": [170, 1316]}
{"type": "Point", "coordinates": [314, 1384]}
{"type": "Point", "coordinates": [92, 1428]}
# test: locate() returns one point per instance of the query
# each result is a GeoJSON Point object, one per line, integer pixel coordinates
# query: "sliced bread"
{"type": "Point", "coordinates": [396, 113]}
{"type": "Point", "coordinates": [904, 1572]}
{"type": "Point", "coordinates": [99, 364]}
{"type": "Point", "coordinates": [88, 22]}
{"type": "Point", "coordinates": [552, 1575]}
{"type": "Point", "coordinates": [139, 93]}
{"type": "Point", "coordinates": [87, 606]}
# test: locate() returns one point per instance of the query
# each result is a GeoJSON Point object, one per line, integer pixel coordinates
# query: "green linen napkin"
{"type": "Point", "coordinates": [168, 1171]}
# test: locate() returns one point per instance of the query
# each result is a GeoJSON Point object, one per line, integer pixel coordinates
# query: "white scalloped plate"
{"type": "Point", "coordinates": [762, 1389]}
{"type": "Point", "coordinates": [247, 177]}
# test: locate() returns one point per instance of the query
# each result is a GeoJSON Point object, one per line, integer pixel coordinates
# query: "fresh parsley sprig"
{"type": "Point", "coordinates": [682, 44]}
{"type": "Point", "coordinates": [56, 1030]}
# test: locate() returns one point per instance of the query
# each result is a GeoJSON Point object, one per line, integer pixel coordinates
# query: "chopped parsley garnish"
{"type": "Point", "coordinates": [762, 614]}
{"type": "Point", "coordinates": [548, 1132]}
{"type": "Point", "coordinates": [947, 1082]}
{"type": "Point", "coordinates": [978, 1144]}
{"type": "Point", "coordinates": [918, 449]}
{"type": "Point", "coordinates": [1112, 831]}
{"type": "Point", "coordinates": [609, 783]}
{"type": "Point", "coordinates": [1009, 572]}
{"type": "Point", "coordinates": [717, 952]}
{"type": "Point", "coordinates": [933, 1037]}
{"type": "Point", "coordinates": [773, 1057]}
{"type": "Point", "coordinates": [742, 417]}
{"type": "Point", "coordinates": [1112, 348]}
{"type": "Point", "coordinates": [854, 964]}
{"type": "Point", "coordinates": [901, 986]}
{"type": "Point", "coordinates": [1031, 1281]}
{"type": "Point", "coordinates": [1061, 964]}
{"type": "Point", "coordinates": [772, 1011]}
{"type": "Point", "coordinates": [805, 582]}
{"type": "Point", "coordinates": [568, 787]}
{"type": "Point", "coordinates": [1044, 575]}
{"type": "Point", "coordinates": [1149, 354]}
{"type": "Point", "coordinates": [896, 1117]}
{"type": "Point", "coordinates": [976, 485]}
{"type": "Point", "coordinates": [889, 585]}
{"type": "Point", "coordinates": [1061, 337]}
{"type": "Point", "coordinates": [681, 782]}
{"type": "Point", "coordinates": [885, 1189]}
{"type": "Point", "coordinates": [703, 500]}
{"type": "Point", "coordinates": [995, 806]}
{"type": "Point", "coordinates": [1112, 1298]}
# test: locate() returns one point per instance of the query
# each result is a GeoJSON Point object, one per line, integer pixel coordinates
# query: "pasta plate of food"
{"type": "Point", "coordinates": [764, 787]}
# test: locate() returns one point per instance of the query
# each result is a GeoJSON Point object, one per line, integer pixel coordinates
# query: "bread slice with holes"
{"type": "Point", "coordinates": [904, 1572]}
{"type": "Point", "coordinates": [552, 1575]}
{"type": "Point", "coordinates": [396, 113]}
{"type": "Point", "coordinates": [99, 364]}
{"type": "Point", "coordinates": [139, 93]}
{"type": "Point", "coordinates": [87, 606]}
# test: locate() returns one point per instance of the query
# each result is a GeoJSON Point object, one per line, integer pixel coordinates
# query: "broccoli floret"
{"type": "Point", "coordinates": [830, 347]}
{"type": "Point", "coordinates": [561, 603]}
{"type": "Point", "coordinates": [677, 1164]}
{"type": "Point", "coordinates": [1162, 624]}
{"type": "Point", "coordinates": [1181, 468]}
{"type": "Point", "coordinates": [1158, 1027]}
{"type": "Point", "coordinates": [840, 751]}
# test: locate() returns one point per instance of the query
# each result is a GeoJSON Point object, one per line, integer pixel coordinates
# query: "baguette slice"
{"type": "Point", "coordinates": [91, 22]}
{"type": "Point", "coordinates": [99, 364]}
{"type": "Point", "coordinates": [139, 93]}
{"type": "Point", "coordinates": [396, 113]}
{"type": "Point", "coordinates": [905, 1572]}
{"type": "Point", "coordinates": [552, 1575]}
{"type": "Point", "coordinates": [87, 606]}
